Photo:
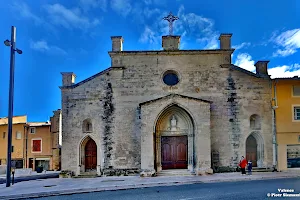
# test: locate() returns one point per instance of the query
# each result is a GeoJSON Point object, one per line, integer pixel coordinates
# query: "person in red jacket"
{"type": "Point", "coordinates": [243, 164]}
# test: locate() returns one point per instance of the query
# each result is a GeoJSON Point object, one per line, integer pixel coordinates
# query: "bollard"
{"type": "Point", "coordinates": [13, 176]}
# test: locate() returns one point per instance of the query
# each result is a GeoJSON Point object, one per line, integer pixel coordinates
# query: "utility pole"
{"type": "Point", "coordinates": [12, 44]}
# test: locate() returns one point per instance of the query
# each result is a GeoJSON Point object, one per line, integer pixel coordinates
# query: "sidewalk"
{"type": "Point", "coordinates": [51, 187]}
{"type": "Point", "coordinates": [31, 176]}
{"type": "Point", "coordinates": [33, 173]}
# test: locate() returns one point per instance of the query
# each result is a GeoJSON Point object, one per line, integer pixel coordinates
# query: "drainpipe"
{"type": "Point", "coordinates": [23, 147]}
{"type": "Point", "coordinates": [275, 146]}
{"type": "Point", "coordinates": [26, 145]}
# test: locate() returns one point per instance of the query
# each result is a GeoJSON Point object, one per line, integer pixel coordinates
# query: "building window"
{"type": "Point", "coordinates": [18, 135]}
{"type": "Point", "coordinates": [293, 156]}
{"type": "Point", "coordinates": [3, 135]}
{"type": "Point", "coordinates": [296, 90]}
{"type": "Point", "coordinates": [170, 78]}
{"type": "Point", "coordinates": [12, 149]}
{"type": "Point", "coordinates": [255, 122]}
{"type": "Point", "coordinates": [18, 164]}
{"type": "Point", "coordinates": [36, 145]}
{"type": "Point", "coordinates": [297, 113]}
{"type": "Point", "coordinates": [87, 126]}
{"type": "Point", "coordinates": [32, 130]}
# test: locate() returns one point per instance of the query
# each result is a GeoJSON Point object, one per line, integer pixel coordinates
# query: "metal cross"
{"type": "Point", "coordinates": [170, 18]}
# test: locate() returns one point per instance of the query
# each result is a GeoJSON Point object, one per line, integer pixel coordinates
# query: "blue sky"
{"type": "Point", "coordinates": [74, 36]}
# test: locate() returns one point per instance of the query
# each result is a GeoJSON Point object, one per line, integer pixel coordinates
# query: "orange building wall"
{"type": "Point", "coordinates": [43, 133]}
{"type": "Point", "coordinates": [17, 143]}
{"type": "Point", "coordinates": [284, 112]}
{"type": "Point", "coordinates": [287, 130]}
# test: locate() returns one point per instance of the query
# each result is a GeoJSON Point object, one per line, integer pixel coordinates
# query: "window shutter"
{"type": "Point", "coordinates": [296, 90]}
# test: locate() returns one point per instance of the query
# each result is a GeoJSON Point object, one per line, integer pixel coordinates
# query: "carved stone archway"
{"type": "Point", "coordinates": [255, 138]}
{"type": "Point", "coordinates": [174, 122]}
{"type": "Point", "coordinates": [88, 153]}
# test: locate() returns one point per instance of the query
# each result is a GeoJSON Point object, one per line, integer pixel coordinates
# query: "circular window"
{"type": "Point", "coordinates": [170, 78]}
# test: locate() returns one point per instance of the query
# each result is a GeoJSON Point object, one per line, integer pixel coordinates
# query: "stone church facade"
{"type": "Point", "coordinates": [167, 109]}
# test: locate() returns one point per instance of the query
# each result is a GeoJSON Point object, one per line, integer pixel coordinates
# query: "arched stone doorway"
{"type": "Point", "coordinates": [251, 150]}
{"type": "Point", "coordinates": [255, 149]}
{"type": "Point", "coordinates": [174, 140]}
{"type": "Point", "coordinates": [88, 155]}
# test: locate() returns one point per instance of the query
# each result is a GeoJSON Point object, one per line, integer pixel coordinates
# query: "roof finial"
{"type": "Point", "coordinates": [170, 18]}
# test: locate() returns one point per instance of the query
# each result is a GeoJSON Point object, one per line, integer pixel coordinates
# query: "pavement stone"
{"type": "Point", "coordinates": [67, 186]}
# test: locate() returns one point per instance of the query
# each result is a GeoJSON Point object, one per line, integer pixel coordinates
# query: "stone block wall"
{"type": "Point", "coordinates": [111, 100]}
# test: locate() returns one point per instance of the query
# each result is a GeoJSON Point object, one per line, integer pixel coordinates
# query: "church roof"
{"type": "Point", "coordinates": [237, 68]}
{"type": "Point", "coordinates": [234, 67]}
{"type": "Point", "coordinates": [172, 52]}
{"type": "Point", "coordinates": [287, 78]}
{"type": "Point", "coordinates": [174, 95]}
{"type": "Point", "coordinates": [88, 79]}
{"type": "Point", "coordinates": [34, 124]}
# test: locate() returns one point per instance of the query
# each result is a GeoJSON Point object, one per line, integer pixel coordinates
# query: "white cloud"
{"type": "Point", "coordinates": [150, 12]}
{"type": "Point", "coordinates": [148, 36]}
{"type": "Point", "coordinates": [152, 33]}
{"type": "Point", "coordinates": [197, 26]}
{"type": "Point", "coordinates": [155, 2]}
{"type": "Point", "coordinates": [148, 2]}
{"type": "Point", "coordinates": [285, 71]}
{"type": "Point", "coordinates": [241, 46]}
{"type": "Point", "coordinates": [69, 18]}
{"type": "Point", "coordinates": [288, 42]}
{"type": "Point", "coordinates": [90, 4]}
{"type": "Point", "coordinates": [123, 7]}
{"type": "Point", "coordinates": [245, 61]}
{"type": "Point", "coordinates": [189, 26]}
{"type": "Point", "coordinates": [23, 11]}
{"type": "Point", "coordinates": [43, 46]}
{"type": "Point", "coordinates": [284, 53]}
{"type": "Point", "coordinates": [210, 42]}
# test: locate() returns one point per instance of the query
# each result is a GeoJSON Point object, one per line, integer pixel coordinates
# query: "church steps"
{"type": "Point", "coordinates": [260, 169]}
{"type": "Point", "coordinates": [91, 174]}
{"type": "Point", "coordinates": [175, 173]}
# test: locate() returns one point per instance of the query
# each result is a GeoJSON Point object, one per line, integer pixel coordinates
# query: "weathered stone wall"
{"type": "Point", "coordinates": [198, 138]}
{"type": "Point", "coordinates": [91, 100]}
{"type": "Point", "coordinates": [111, 101]}
{"type": "Point", "coordinates": [252, 96]}
{"type": "Point", "coordinates": [201, 76]}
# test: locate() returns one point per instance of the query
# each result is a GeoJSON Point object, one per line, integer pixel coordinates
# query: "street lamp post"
{"type": "Point", "coordinates": [12, 44]}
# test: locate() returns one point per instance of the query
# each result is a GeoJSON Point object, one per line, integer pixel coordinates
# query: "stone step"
{"type": "Point", "coordinates": [174, 173]}
{"type": "Point", "coordinates": [257, 169]}
{"type": "Point", "coordinates": [91, 174]}
{"type": "Point", "coordinates": [86, 176]}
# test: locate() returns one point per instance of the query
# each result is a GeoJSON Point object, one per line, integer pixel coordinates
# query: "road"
{"type": "Point", "coordinates": [226, 190]}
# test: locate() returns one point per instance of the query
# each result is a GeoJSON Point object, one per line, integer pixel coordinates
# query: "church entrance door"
{"type": "Point", "coordinates": [174, 152]}
{"type": "Point", "coordinates": [251, 150]}
{"type": "Point", "coordinates": [90, 155]}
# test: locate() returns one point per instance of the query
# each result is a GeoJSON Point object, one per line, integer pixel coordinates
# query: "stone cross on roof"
{"type": "Point", "coordinates": [170, 18]}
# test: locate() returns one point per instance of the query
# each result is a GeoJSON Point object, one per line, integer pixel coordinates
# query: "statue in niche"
{"type": "Point", "coordinates": [173, 124]}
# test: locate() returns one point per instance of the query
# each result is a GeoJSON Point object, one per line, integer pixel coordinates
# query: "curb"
{"type": "Point", "coordinates": [128, 187]}
{"type": "Point", "coordinates": [250, 179]}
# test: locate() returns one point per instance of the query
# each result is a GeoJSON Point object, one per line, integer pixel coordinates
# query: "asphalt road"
{"type": "Point", "coordinates": [226, 190]}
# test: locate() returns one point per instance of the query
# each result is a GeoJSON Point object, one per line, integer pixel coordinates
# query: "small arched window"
{"type": "Point", "coordinates": [255, 122]}
{"type": "Point", "coordinates": [87, 125]}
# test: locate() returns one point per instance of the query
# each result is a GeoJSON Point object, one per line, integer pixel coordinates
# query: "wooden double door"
{"type": "Point", "coordinates": [90, 155]}
{"type": "Point", "coordinates": [174, 152]}
{"type": "Point", "coordinates": [251, 150]}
